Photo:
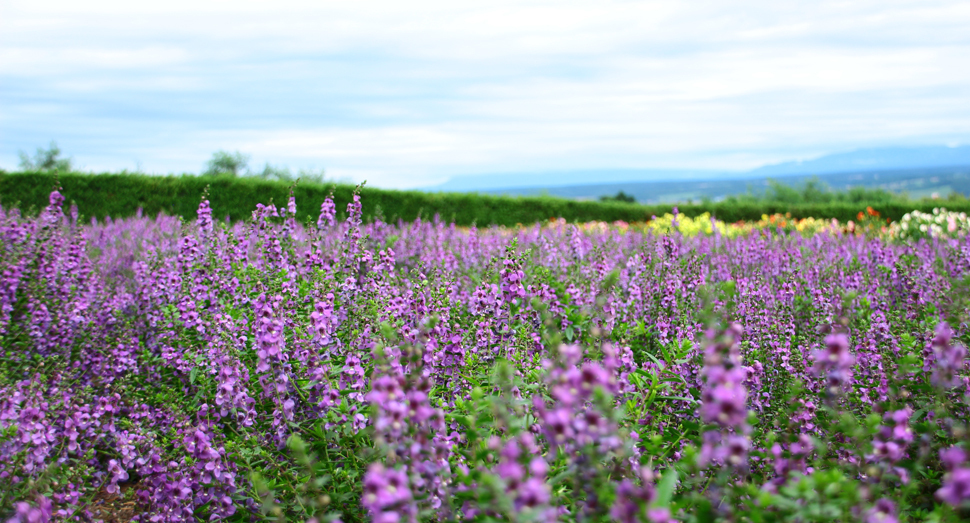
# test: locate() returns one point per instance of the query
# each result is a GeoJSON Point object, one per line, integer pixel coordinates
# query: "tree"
{"type": "Point", "coordinates": [224, 163]}
{"type": "Point", "coordinates": [283, 174]}
{"type": "Point", "coordinates": [312, 175]}
{"type": "Point", "coordinates": [271, 172]}
{"type": "Point", "coordinates": [620, 197]}
{"type": "Point", "coordinates": [235, 164]}
{"type": "Point", "coordinates": [45, 160]}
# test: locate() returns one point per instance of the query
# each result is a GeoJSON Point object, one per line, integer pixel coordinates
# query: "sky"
{"type": "Point", "coordinates": [409, 94]}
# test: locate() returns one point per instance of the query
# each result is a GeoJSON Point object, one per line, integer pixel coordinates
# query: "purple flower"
{"type": "Point", "coordinates": [328, 213]}
{"type": "Point", "coordinates": [56, 199]}
{"type": "Point", "coordinates": [948, 358]}
{"type": "Point", "coordinates": [557, 425]}
{"type": "Point", "coordinates": [893, 437]}
{"type": "Point", "coordinates": [625, 508]}
{"type": "Point", "coordinates": [512, 276]}
{"type": "Point", "coordinates": [659, 515]}
{"type": "Point", "coordinates": [25, 513]}
{"type": "Point", "coordinates": [834, 363]}
{"type": "Point", "coordinates": [630, 499]}
{"type": "Point", "coordinates": [952, 458]}
{"type": "Point", "coordinates": [592, 376]}
{"type": "Point", "coordinates": [204, 221]}
{"type": "Point", "coordinates": [725, 405]}
{"type": "Point", "coordinates": [884, 511]}
{"type": "Point", "coordinates": [117, 474]}
{"type": "Point", "coordinates": [723, 399]}
{"type": "Point", "coordinates": [956, 487]}
{"type": "Point", "coordinates": [532, 494]}
{"type": "Point", "coordinates": [386, 491]}
{"type": "Point", "coordinates": [900, 429]}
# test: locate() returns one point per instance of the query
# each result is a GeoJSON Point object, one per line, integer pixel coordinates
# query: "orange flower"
{"type": "Point", "coordinates": [860, 216]}
{"type": "Point", "coordinates": [872, 212]}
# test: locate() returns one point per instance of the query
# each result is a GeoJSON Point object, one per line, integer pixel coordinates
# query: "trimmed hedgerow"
{"type": "Point", "coordinates": [121, 195]}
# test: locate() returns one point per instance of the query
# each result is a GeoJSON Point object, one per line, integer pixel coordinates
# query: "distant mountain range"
{"type": "Point", "coordinates": [919, 171]}
{"type": "Point", "coordinates": [916, 183]}
{"type": "Point", "coordinates": [867, 160]}
{"type": "Point", "coordinates": [492, 182]}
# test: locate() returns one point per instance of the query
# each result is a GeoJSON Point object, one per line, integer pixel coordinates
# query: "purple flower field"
{"type": "Point", "coordinates": [155, 370]}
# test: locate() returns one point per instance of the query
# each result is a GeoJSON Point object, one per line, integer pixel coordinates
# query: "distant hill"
{"type": "Point", "coordinates": [867, 160]}
{"type": "Point", "coordinates": [916, 183]}
{"type": "Point", "coordinates": [898, 169]}
{"type": "Point", "coordinates": [487, 182]}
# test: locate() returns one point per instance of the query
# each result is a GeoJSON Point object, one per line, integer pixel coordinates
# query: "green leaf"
{"type": "Point", "coordinates": [665, 490]}
{"type": "Point", "coordinates": [678, 398]}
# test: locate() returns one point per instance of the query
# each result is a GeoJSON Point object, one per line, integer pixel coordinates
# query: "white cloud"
{"type": "Point", "coordinates": [404, 93]}
{"type": "Point", "coordinates": [38, 61]}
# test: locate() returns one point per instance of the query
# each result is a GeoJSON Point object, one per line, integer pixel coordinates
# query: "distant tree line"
{"type": "Point", "coordinates": [222, 164]}
{"type": "Point", "coordinates": [619, 197]}
{"type": "Point", "coordinates": [814, 191]}
{"type": "Point", "coordinates": [46, 160]}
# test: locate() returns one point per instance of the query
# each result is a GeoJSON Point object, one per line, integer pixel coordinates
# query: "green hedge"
{"type": "Point", "coordinates": [120, 195]}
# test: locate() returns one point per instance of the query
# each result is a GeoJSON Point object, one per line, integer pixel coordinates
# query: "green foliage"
{"type": "Point", "coordinates": [815, 191]}
{"type": "Point", "coordinates": [120, 195]}
{"type": "Point", "coordinates": [312, 175]}
{"type": "Point", "coordinates": [271, 172]}
{"type": "Point", "coordinates": [45, 160]}
{"type": "Point", "coordinates": [620, 197]}
{"type": "Point", "coordinates": [235, 164]}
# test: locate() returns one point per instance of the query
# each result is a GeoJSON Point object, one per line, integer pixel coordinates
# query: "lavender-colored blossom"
{"type": "Point", "coordinates": [204, 220]}
{"type": "Point", "coordinates": [724, 404]}
{"type": "Point", "coordinates": [948, 358]}
{"type": "Point", "coordinates": [956, 487]}
{"type": "Point", "coordinates": [723, 399]}
{"type": "Point", "coordinates": [834, 363]}
{"type": "Point", "coordinates": [26, 513]}
{"type": "Point", "coordinates": [267, 325]}
{"type": "Point", "coordinates": [952, 458]}
{"type": "Point", "coordinates": [387, 495]}
{"type": "Point", "coordinates": [894, 437]}
{"type": "Point", "coordinates": [884, 511]}
{"type": "Point", "coordinates": [327, 213]}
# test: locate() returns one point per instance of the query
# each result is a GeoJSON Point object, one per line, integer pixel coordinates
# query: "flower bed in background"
{"type": "Point", "coordinates": [940, 224]}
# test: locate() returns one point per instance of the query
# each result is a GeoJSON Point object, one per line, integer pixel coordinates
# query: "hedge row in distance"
{"type": "Point", "coordinates": [121, 195]}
